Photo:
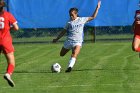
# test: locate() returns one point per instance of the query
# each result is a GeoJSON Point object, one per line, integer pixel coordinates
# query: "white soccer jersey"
{"type": "Point", "coordinates": [138, 16]}
{"type": "Point", "coordinates": [75, 29]}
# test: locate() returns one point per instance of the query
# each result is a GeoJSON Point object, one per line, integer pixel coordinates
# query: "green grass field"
{"type": "Point", "coordinates": [100, 68]}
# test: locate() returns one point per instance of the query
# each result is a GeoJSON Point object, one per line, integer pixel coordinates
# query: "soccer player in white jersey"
{"type": "Point", "coordinates": [74, 29]}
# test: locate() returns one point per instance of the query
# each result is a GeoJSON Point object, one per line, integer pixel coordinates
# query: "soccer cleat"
{"type": "Point", "coordinates": [69, 69]}
{"type": "Point", "coordinates": [7, 77]}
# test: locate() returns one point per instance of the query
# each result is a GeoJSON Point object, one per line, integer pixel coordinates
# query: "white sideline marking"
{"type": "Point", "coordinates": [83, 85]}
{"type": "Point", "coordinates": [57, 86]}
{"type": "Point", "coordinates": [130, 55]}
{"type": "Point", "coordinates": [71, 86]}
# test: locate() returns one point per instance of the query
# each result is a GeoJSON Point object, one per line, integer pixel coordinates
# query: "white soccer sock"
{"type": "Point", "coordinates": [72, 62]}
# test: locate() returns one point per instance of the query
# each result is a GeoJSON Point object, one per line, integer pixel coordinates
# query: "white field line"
{"type": "Point", "coordinates": [70, 86]}
{"type": "Point", "coordinates": [57, 86]}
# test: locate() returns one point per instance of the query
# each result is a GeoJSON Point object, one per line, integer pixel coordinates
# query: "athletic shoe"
{"type": "Point", "coordinates": [69, 69]}
{"type": "Point", "coordinates": [7, 77]}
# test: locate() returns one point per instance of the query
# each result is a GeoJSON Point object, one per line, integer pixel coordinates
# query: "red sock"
{"type": "Point", "coordinates": [10, 69]}
{"type": "Point", "coordinates": [138, 49]}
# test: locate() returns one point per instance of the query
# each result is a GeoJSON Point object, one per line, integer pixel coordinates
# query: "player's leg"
{"type": "Point", "coordinates": [10, 68]}
{"type": "Point", "coordinates": [75, 52]}
{"type": "Point", "coordinates": [8, 51]}
{"type": "Point", "coordinates": [65, 48]}
{"type": "Point", "coordinates": [63, 51]}
{"type": "Point", "coordinates": [136, 44]}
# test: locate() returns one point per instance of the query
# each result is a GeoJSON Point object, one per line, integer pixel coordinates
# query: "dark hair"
{"type": "Point", "coordinates": [73, 9]}
{"type": "Point", "coordinates": [2, 4]}
{"type": "Point", "coordinates": [1, 9]}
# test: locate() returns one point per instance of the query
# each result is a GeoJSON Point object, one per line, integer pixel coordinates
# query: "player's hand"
{"type": "Point", "coordinates": [137, 22]}
{"type": "Point", "coordinates": [54, 40]}
{"type": "Point", "coordinates": [99, 4]}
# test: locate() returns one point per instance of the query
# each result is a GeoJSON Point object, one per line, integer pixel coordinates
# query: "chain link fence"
{"type": "Point", "coordinates": [91, 34]}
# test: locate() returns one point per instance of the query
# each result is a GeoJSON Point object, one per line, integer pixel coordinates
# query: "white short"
{"type": "Point", "coordinates": [70, 45]}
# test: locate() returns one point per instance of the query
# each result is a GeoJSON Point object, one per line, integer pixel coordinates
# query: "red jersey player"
{"type": "Point", "coordinates": [6, 21]}
{"type": "Point", "coordinates": [136, 29]}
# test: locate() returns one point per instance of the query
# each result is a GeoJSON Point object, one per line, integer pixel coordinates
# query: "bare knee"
{"type": "Point", "coordinates": [10, 58]}
{"type": "Point", "coordinates": [135, 49]}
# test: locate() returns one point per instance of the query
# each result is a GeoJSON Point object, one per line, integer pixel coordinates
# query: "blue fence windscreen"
{"type": "Point", "coordinates": [54, 13]}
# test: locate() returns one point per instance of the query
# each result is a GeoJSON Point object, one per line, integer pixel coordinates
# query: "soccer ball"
{"type": "Point", "coordinates": [56, 68]}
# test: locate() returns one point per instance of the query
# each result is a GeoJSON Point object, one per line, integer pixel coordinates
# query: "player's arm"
{"type": "Point", "coordinates": [14, 27]}
{"type": "Point", "coordinates": [95, 12]}
{"type": "Point", "coordinates": [59, 36]}
{"type": "Point", "coordinates": [133, 26]}
{"type": "Point", "coordinates": [138, 22]}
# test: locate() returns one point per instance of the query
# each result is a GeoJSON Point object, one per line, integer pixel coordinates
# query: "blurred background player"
{"type": "Point", "coordinates": [7, 22]}
{"type": "Point", "coordinates": [74, 29]}
{"type": "Point", "coordinates": [136, 30]}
